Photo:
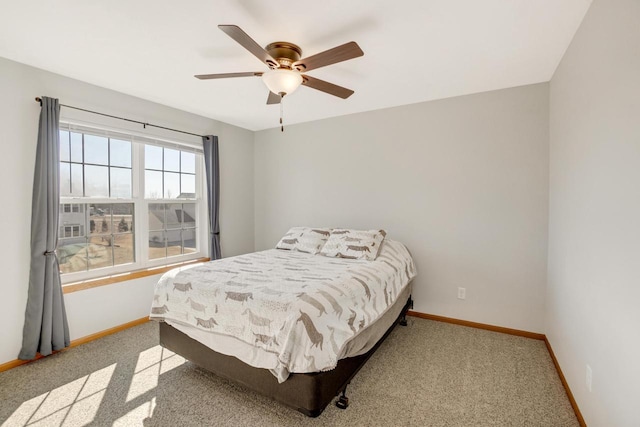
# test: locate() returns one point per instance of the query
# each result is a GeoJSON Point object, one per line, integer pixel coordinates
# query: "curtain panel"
{"type": "Point", "coordinates": [212, 169]}
{"type": "Point", "coordinates": [45, 325]}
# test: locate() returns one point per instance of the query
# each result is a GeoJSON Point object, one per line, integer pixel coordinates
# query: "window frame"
{"type": "Point", "coordinates": [141, 205]}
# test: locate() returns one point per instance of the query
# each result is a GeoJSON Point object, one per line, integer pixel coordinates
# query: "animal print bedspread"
{"type": "Point", "coordinates": [303, 308]}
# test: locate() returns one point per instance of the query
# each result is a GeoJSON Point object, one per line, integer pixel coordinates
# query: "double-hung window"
{"type": "Point", "coordinates": [127, 202]}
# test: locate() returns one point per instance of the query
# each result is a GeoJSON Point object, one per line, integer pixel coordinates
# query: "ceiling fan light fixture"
{"type": "Point", "coordinates": [282, 81]}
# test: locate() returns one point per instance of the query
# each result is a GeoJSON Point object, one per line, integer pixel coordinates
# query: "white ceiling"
{"type": "Point", "coordinates": [415, 50]}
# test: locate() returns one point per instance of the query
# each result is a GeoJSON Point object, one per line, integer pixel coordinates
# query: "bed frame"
{"type": "Point", "coordinates": [307, 393]}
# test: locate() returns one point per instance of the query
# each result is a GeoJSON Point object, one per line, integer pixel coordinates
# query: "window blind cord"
{"type": "Point", "coordinates": [126, 119]}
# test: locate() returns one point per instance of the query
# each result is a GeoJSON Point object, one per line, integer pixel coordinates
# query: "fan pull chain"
{"type": "Point", "coordinates": [281, 112]}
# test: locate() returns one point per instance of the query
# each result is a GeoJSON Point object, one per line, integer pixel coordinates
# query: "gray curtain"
{"type": "Point", "coordinates": [45, 325]}
{"type": "Point", "coordinates": [212, 168]}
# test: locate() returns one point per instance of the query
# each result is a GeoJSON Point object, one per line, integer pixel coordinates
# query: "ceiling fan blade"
{"type": "Point", "coordinates": [248, 43]}
{"type": "Point", "coordinates": [273, 98]}
{"type": "Point", "coordinates": [330, 88]}
{"type": "Point", "coordinates": [337, 54]}
{"type": "Point", "coordinates": [226, 75]}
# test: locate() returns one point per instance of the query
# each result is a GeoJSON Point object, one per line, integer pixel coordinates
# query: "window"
{"type": "Point", "coordinates": [172, 229]}
{"type": "Point", "coordinates": [66, 208]}
{"type": "Point", "coordinates": [71, 231]}
{"type": "Point", "coordinates": [169, 173]}
{"type": "Point", "coordinates": [127, 202]}
{"type": "Point", "coordinates": [94, 166]}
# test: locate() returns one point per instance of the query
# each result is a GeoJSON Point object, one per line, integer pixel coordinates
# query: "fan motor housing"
{"type": "Point", "coordinates": [284, 52]}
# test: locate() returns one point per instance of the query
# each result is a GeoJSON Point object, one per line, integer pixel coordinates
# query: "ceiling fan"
{"type": "Point", "coordinates": [286, 69]}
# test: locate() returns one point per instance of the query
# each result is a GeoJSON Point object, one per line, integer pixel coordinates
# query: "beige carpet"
{"type": "Point", "coordinates": [426, 374]}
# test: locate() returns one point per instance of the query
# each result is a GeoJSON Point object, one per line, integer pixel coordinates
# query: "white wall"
{"type": "Point", "coordinates": [593, 316]}
{"type": "Point", "coordinates": [97, 309]}
{"type": "Point", "coordinates": [463, 182]}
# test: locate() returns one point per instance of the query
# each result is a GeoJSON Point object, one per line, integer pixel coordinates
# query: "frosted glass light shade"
{"type": "Point", "coordinates": [282, 81]}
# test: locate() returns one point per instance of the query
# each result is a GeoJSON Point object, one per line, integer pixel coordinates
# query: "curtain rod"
{"type": "Point", "coordinates": [125, 119]}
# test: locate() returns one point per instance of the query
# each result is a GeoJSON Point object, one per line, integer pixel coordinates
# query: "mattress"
{"type": "Point", "coordinates": [285, 311]}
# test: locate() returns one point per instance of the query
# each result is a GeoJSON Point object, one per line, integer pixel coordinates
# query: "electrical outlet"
{"type": "Point", "coordinates": [462, 293]}
{"type": "Point", "coordinates": [589, 377]}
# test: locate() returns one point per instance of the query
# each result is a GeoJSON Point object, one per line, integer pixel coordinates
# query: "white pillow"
{"type": "Point", "coordinates": [354, 244]}
{"type": "Point", "coordinates": [304, 239]}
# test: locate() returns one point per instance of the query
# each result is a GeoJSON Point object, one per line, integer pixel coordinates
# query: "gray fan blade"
{"type": "Point", "coordinates": [337, 54]}
{"type": "Point", "coordinates": [226, 75]}
{"type": "Point", "coordinates": [248, 43]}
{"type": "Point", "coordinates": [273, 98]}
{"type": "Point", "coordinates": [330, 88]}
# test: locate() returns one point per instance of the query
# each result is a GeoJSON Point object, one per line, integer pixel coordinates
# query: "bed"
{"type": "Point", "coordinates": [290, 325]}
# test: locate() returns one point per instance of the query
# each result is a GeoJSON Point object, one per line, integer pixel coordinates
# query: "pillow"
{"type": "Point", "coordinates": [304, 239]}
{"type": "Point", "coordinates": [354, 244]}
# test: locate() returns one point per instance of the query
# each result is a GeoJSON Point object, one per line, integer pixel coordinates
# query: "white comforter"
{"type": "Point", "coordinates": [300, 310]}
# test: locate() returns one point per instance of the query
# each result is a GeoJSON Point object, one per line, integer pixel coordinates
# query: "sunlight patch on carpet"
{"type": "Point", "coordinates": [137, 416]}
{"type": "Point", "coordinates": [151, 364]}
{"type": "Point", "coordinates": [76, 402]}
